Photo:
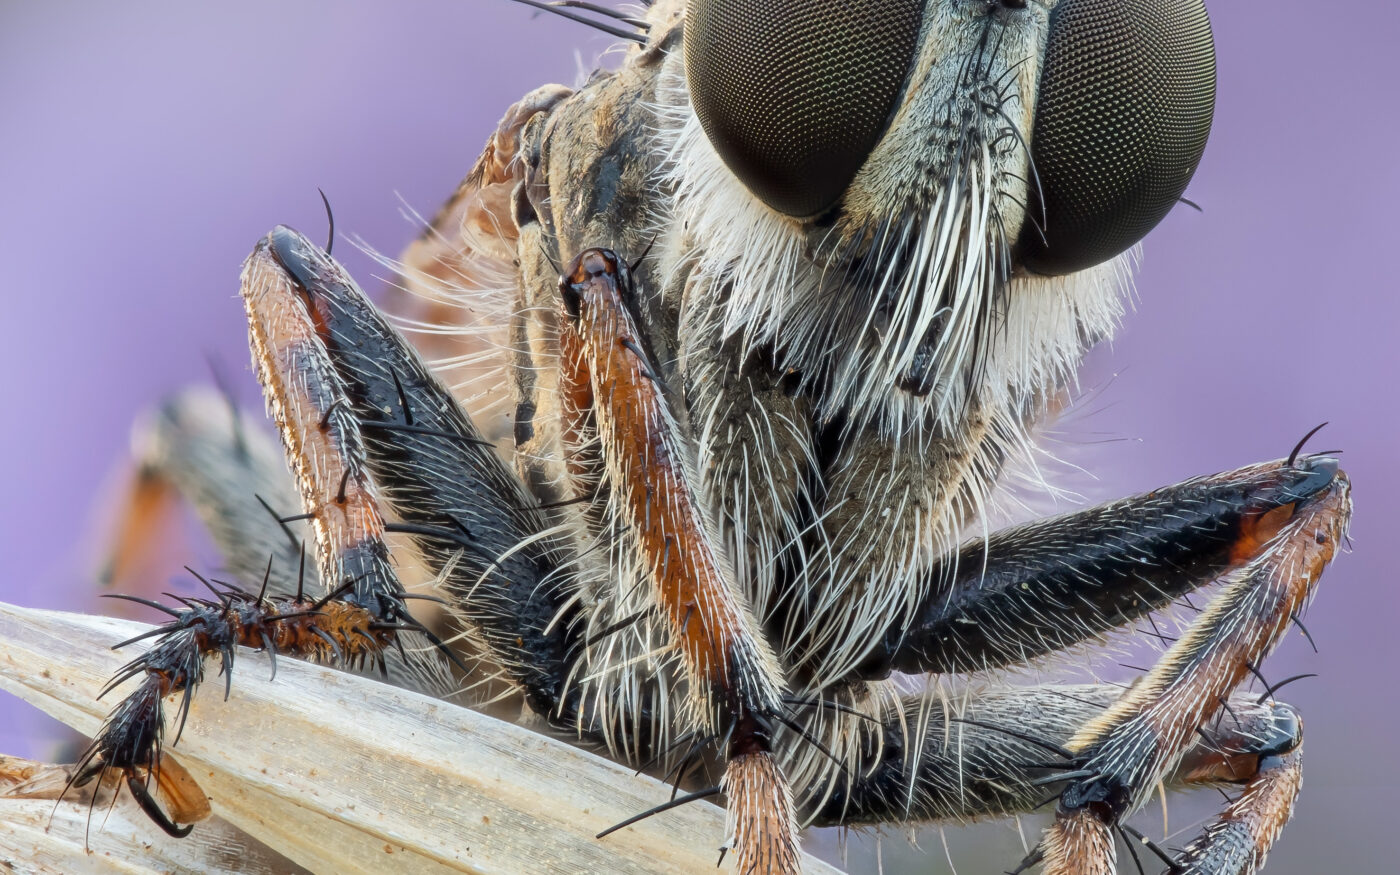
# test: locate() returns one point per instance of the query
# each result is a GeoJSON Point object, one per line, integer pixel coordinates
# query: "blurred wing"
{"type": "Point", "coordinates": [458, 283]}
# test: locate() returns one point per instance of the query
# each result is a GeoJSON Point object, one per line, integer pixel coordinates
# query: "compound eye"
{"type": "Point", "coordinates": [1126, 97]}
{"type": "Point", "coordinates": [794, 94]}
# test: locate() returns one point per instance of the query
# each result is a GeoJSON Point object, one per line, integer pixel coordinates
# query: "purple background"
{"type": "Point", "coordinates": [144, 147]}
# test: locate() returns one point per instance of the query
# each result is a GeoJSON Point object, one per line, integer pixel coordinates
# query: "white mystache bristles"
{"type": "Point", "coordinates": [932, 299]}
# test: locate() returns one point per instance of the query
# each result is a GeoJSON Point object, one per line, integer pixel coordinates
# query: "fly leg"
{"type": "Point", "coordinates": [494, 549]}
{"type": "Point", "coordinates": [199, 447]}
{"type": "Point", "coordinates": [1003, 753]}
{"type": "Point", "coordinates": [353, 623]}
{"type": "Point", "coordinates": [1239, 839]}
{"type": "Point", "coordinates": [1124, 753]}
{"type": "Point", "coordinates": [733, 679]}
{"type": "Point", "coordinates": [1266, 531]}
{"type": "Point", "coordinates": [1039, 588]}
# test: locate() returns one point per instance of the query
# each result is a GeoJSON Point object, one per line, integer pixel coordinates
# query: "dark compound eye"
{"type": "Point", "coordinates": [794, 94]}
{"type": "Point", "coordinates": [1126, 97]}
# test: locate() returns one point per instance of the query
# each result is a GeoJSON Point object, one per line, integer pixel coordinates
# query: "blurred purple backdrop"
{"type": "Point", "coordinates": [144, 147]}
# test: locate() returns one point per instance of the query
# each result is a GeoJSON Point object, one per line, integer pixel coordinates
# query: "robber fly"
{"type": "Point", "coordinates": [751, 328]}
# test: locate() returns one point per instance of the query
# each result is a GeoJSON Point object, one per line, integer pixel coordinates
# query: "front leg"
{"type": "Point", "coordinates": [1144, 733]}
{"type": "Point", "coordinates": [1267, 531]}
{"type": "Point", "coordinates": [1036, 589]}
{"type": "Point", "coordinates": [466, 513]}
{"type": "Point", "coordinates": [734, 680]}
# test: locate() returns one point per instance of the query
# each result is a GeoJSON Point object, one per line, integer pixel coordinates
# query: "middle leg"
{"type": "Point", "coordinates": [1004, 752]}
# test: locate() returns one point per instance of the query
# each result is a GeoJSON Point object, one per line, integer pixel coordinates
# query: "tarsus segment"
{"type": "Point", "coordinates": [198, 446]}
{"type": "Point", "coordinates": [1239, 839]}
{"type": "Point", "coordinates": [131, 739]}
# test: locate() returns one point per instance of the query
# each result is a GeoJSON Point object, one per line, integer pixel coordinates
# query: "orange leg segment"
{"type": "Point", "coordinates": [736, 687]}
